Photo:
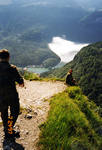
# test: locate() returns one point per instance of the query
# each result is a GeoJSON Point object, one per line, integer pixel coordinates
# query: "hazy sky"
{"type": "Point", "coordinates": [90, 3]}
{"type": "Point", "coordinates": [82, 3]}
{"type": "Point", "coordinates": [5, 2]}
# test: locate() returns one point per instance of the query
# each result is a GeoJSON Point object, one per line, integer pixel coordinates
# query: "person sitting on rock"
{"type": "Point", "coordinates": [8, 93]}
{"type": "Point", "coordinates": [69, 78]}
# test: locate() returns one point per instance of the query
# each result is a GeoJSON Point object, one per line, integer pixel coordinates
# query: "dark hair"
{"type": "Point", "coordinates": [4, 54]}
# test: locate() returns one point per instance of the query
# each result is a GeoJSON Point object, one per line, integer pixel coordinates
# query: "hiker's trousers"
{"type": "Point", "coordinates": [14, 112]}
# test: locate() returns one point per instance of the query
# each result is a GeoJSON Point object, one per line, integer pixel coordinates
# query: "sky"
{"type": "Point", "coordinates": [5, 2]}
{"type": "Point", "coordinates": [82, 3]}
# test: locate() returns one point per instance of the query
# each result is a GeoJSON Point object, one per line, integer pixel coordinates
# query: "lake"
{"type": "Point", "coordinates": [65, 49]}
{"type": "Point", "coordinates": [37, 70]}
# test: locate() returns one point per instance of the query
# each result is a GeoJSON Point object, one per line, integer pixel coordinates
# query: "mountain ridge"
{"type": "Point", "coordinates": [27, 30]}
{"type": "Point", "coordinates": [87, 70]}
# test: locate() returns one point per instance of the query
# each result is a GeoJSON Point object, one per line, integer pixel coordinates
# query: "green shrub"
{"type": "Point", "coordinates": [31, 76]}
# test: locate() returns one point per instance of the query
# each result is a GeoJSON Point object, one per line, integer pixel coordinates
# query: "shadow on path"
{"type": "Point", "coordinates": [12, 145]}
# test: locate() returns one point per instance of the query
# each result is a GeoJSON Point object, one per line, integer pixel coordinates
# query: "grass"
{"type": "Point", "coordinates": [72, 124]}
{"type": "Point", "coordinates": [35, 77]}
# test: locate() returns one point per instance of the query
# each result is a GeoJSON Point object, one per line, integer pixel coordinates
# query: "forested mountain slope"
{"type": "Point", "coordinates": [87, 70]}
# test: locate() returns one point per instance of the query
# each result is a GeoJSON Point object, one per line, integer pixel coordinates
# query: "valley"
{"type": "Point", "coordinates": [26, 30]}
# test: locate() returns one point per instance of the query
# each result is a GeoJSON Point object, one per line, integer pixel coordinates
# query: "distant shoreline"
{"type": "Point", "coordinates": [65, 49]}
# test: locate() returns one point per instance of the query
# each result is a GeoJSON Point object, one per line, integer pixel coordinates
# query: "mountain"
{"type": "Point", "coordinates": [65, 19]}
{"type": "Point", "coordinates": [26, 27]}
{"type": "Point", "coordinates": [25, 31]}
{"type": "Point", "coordinates": [87, 70]}
{"type": "Point", "coordinates": [25, 37]}
{"type": "Point", "coordinates": [93, 22]}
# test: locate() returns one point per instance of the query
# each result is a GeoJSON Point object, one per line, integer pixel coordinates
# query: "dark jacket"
{"type": "Point", "coordinates": [8, 76]}
{"type": "Point", "coordinates": [69, 79]}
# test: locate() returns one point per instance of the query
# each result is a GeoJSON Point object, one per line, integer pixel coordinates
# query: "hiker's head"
{"type": "Point", "coordinates": [4, 55]}
{"type": "Point", "coordinates": [70, 71]}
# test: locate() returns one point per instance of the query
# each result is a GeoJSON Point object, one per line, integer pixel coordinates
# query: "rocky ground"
{"type": "Point", "coordinates": [34, 107]}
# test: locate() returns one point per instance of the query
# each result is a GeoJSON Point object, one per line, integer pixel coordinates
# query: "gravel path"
{"type": "Point", "coordinates": [33, 97]}
{"type": "Point", "coordinates": [35, 92]}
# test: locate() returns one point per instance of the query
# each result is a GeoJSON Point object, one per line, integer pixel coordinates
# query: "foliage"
{"type": "Point", "coordinates": [72, 124]}
{"type": "Point", "coordinates": [87, 70]}
{"type": "Point", "coordinates": [28, 52]}
{"type": "Point", "coordinates": [28, 75]}
{"type": "Point", "coordinates": [50, 62]}
{"type": "Point", "coordinates": [33, 76]}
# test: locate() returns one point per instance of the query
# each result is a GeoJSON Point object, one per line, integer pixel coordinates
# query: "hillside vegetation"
{"type": "Point", "coordinates": [87, 70]}
{"type": "Point", "coordinates": [73, 123]}
{"type": "Point", "coordinates": [29, 48]}
{"type": "Point", "coordinates": [24, 34]}
{"type": "Point", "coordinates": [27, 27]}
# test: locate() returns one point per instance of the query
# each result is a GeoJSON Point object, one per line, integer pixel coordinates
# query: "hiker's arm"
{"type": "Point", "coordinates": [21, 85]}
{"type": "Point", "coordinates": [17, 77]}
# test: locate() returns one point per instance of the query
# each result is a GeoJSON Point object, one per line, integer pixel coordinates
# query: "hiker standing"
{"type": "Point", "coordinates": [69, 78]}
{"type": "Point", "coordinates": [8, 93]}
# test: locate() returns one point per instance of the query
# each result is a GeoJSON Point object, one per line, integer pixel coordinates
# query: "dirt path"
{"type": "Point", "coordinates": [33, 98]}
